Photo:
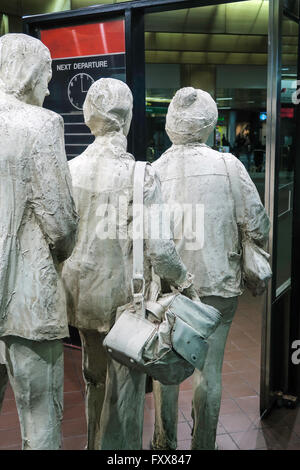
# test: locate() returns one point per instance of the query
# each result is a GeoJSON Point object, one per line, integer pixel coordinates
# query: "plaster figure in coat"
{"type": "Point", "coordinates": [98, 275]}
{"type": "Point", "coordinates": [192, 173]}
{"type": "Point", "coordinates": [38, 223]}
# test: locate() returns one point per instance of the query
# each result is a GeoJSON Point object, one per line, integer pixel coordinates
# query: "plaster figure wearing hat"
{"type": "Point", "coordinates": [192, 173]}
{"type": "Point", "coordinates": [98, 275]}
{"type": "Point", "coordinates": [38, 225]}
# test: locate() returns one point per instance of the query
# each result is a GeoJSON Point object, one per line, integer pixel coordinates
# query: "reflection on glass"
{"type": "Point", "coordinates": [222, 49]}
{"type": "Point", "coordinates": [288, 134]}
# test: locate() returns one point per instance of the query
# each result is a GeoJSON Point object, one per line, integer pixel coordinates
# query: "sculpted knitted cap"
{"type": "Point", "coordinates": [192, 116]}
{"type": "Point", "coordinates": [21, 59]}
{"type": "Point", "coordinates": [108, 107]}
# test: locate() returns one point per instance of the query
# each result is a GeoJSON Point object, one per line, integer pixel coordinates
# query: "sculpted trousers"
{"type": "Point", "coordinates": [207, 390]}
{"type": "Point", "coordinates": [35, 371]}
{"type": "Point", "coordinates": [94, 366]}
{"type": "Point", "coordinates": [123, 409]}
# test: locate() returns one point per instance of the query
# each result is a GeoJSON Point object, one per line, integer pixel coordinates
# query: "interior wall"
{"type": "Point", "coordinates": [199, 76]}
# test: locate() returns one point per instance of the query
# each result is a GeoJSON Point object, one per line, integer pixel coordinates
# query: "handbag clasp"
{"type": "Point", "coordinates": [138, 295]}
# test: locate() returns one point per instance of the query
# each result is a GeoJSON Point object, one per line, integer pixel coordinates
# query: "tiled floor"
{"type": "Point", "coordinates": [239, 425]}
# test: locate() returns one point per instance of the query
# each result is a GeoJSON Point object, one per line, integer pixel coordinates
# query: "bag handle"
{"type": "Point", "coordinates": [234, 184]}
{"type": "Point", "coordinates": [138, 236]}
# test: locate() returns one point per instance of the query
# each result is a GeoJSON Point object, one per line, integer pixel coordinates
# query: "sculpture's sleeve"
{"type": "Point", "coordinates": [252, 217]}
{"type": "Point", "coordinates": [159, 245]}
{"type": "Point", "coordinates": [51, 194]}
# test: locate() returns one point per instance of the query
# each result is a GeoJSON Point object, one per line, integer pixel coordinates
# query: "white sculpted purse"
{"type": "Point", "coordinates": [256, 270]}
{"type": "Point", "coordinates": [162, 336]}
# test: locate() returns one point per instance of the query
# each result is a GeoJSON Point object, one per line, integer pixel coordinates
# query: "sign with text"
{"type": "Point", "coordinates": [81, 55]}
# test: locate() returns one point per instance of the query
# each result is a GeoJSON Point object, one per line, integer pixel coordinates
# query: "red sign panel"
{"type": "Point", "coordinates": [81, 55]}
{"type": "Point", "coordinates": [84, 40]}
{"type": "Point", "coordinates": [287, 113]}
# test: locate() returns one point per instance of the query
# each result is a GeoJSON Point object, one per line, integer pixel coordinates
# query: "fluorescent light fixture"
{"type": "Point", "coordinates": [223, 99]}
{"type": "Point", "coordinates": [224, 107]}
{"type": "Point", "coordinates": [158, 100]}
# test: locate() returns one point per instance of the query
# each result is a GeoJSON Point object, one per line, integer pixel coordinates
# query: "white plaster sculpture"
{"type": "Point", "coordinates": [192, 173]}
{"type": "Point", "coordinates": [98, 275]}
{"type": "Point", "coordinates": [38, 224]}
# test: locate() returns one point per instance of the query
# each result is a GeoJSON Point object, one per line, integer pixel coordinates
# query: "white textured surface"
{"type": "Point", "coordinates": [97, 276]}
{"type": "Point", "coordinates": [192, 116]}
{"type": "Point", "coordinates": [193, 173]}
{"type": "Point", "coordinates": [37, 213]}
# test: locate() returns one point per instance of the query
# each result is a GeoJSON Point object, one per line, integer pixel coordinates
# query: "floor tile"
{"type": "Point", "coordinates": [74, 442]}
{"type": "Point", "coordinates": [250, 440]}
{"type": "Point", "coordinates": [9, 406]}
{"type": "Point", "coordinates": [74, 411]}
{"type": "Point", "coordinates": [9, 421]}
{"type": "Point", "coordinates": [73, 427]}
{"type": "Point", "coordinates": [228, 405]}
{"type": "Point", "coordinates": [184, 445]}
{"type": "Point", "coordinates": [9, 437]}
{"type": "Point", "coordinates": [248, 404]}
{"type": "Point", "coordinates": [225, 442]}
{"type": "Point", "coordinates": [235, 422]}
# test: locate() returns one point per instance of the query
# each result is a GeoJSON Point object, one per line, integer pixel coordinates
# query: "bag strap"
{"type": "Point", "coordinates": [138, 235]}
{"type": "Point", "coordinates": [234, 184]}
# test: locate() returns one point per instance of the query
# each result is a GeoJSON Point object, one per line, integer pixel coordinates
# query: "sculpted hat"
{"type": "Point", "coordinates": [192, 116]}
{"type": "Point", "coordinates": [108, 106]}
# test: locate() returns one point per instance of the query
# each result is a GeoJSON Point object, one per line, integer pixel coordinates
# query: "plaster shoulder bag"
{"type": "Point", "coordinates": [256, 270]}
{"type": "Point", "coordinates": [161, 336]}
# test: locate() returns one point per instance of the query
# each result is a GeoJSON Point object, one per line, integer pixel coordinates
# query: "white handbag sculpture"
{"type": "Point", "coordinates": [173, 343]}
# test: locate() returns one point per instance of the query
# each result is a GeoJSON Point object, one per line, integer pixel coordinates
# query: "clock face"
{"type": "Point", "coordinates": [78, 88]}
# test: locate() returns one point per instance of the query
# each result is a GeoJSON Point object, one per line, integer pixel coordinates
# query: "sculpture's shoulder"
{"type": "Point", "coordinates": [190, 160]}
{"type": "Point", "coordinates": [77, 163]}
{"type": "Point", "coordinates": [26, 118]}
{"type": "Point", "coordinates": [45, 119]}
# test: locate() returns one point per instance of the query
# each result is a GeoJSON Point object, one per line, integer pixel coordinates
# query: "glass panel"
{"type": "Point", "coordinates": [292, 6]}
{"type": "Point", "coordinates": [222, 49]}
{"type": "Point", "coordinates": [288, 135]}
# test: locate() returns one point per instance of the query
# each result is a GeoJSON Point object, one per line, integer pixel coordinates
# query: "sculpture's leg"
{"type": "Point", "coordinates": [207, 385]}
{"type": "Point", "coordinates": [166, 416]}
{"type": "Point", "coordinates": [3, 382]}
{"type": "Point", "coordinates": [36, 375]}
{"type": "Point", "coordinates": [123, 409]}
{"type": "Point", "coordinates": [94, 366]}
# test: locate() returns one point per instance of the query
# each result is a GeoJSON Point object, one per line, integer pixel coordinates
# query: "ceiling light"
{"type": "Point", "coordinates": [159, 100]}
{"type": "Point", "coordinates": [223, 99]}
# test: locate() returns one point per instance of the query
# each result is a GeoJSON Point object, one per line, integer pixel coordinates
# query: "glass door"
{"type": "Point", "coordinates": [282, 139]}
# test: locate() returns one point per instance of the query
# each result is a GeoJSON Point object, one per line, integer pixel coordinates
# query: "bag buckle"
{"type": "Point", "coordinates": [138, 296]}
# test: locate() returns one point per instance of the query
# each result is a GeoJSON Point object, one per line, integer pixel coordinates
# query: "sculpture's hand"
{"type": "Point", "coordinates": [191, 293]}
